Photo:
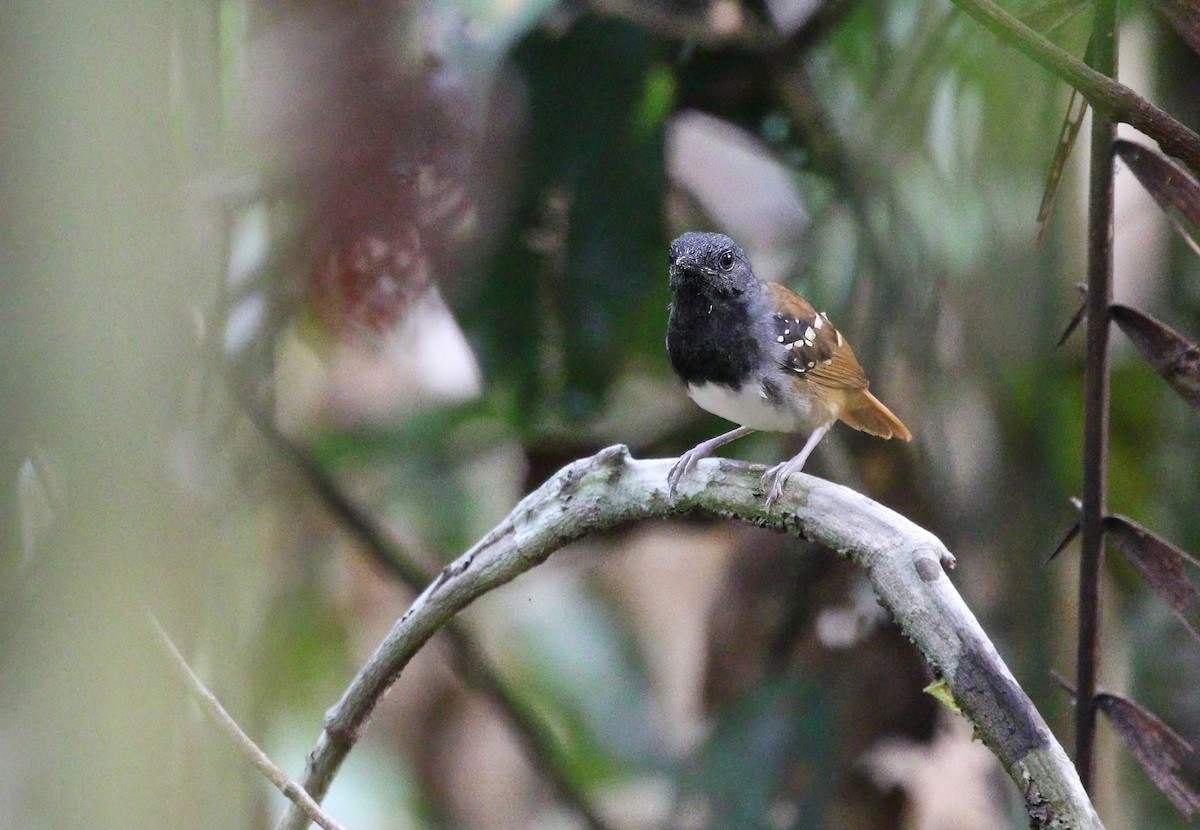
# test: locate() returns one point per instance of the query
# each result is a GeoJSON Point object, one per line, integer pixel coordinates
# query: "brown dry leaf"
{"type": "Point", "coordinates": [1161, 564]}
{"type": "Point", "coordinates": [1155, 746]}
{"type": "Point", "coordinates": [1170, 185]}
{"type": "Point", "coordinates": [1077, 108]}
{"type": "Point", "coordinates": [1173, 356]}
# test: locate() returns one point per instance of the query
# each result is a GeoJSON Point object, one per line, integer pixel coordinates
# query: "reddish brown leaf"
{"type": "Point", "coordinates": [1174, 357]}
{"type": "Point", "coordinates": [1161, 564]}
{"type": "Point", "coordinates": [1184, 17]}
{"type": "Point", "coordinates": [369, 282]}
{"type": "Point", "coordinates": [1155, 746]}
{"type": "Point", "coordinates": [1167, 182]}
{"type": "Point", "coordinates": [1170, 185]}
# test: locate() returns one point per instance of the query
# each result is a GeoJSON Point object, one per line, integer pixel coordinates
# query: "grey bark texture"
{"type": "Point", "coordinates": [905, 564]}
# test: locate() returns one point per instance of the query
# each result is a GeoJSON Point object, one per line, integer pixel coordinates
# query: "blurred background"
{"type": "Point", "coordinates": [257, 252]}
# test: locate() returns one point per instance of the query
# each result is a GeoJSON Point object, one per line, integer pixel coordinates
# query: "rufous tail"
{"type": "Point", "coordinates": [867, 413]}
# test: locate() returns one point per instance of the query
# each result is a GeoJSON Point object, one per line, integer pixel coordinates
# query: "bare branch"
{"type": "Point", "coordinates": [1096, 393]}
{"type": "Point", "coordinates": [903, 561]}
{"type": "Point", "coordinates": [1116, 100]}
{"type": "Point", "coordinates": [303, 803]}
{"type": "Point", "coordinates": [470, 662]}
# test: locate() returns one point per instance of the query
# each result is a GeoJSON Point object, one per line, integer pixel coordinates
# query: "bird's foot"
{"type": "Point", "coordinates": [772, 484]}
{"type": "Point", "coordinates": [686, 463]}
{"type": "Point", "coordinates": [704, 449]}
{"type": "Point", "coordinates": [774, 478]}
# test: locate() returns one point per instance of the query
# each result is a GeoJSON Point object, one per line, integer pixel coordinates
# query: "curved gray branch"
{"type": "Point", "coordinates": [903, 562]}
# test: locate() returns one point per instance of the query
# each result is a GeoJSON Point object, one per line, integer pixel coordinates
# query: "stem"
{"type": "Point", "coordinates": [471, 664]}
{"type": "Point", "coordinates": [217, 713]}
{"type": "Point", "coordinates": [1096, 396]}
{"type": "Point", "coordinates": [1117, 102]}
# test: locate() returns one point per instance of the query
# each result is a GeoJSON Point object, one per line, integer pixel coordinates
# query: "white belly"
{"type": "Point", "coordinates": [750, 407]}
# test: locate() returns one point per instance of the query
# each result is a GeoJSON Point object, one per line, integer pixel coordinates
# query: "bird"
{"type": "Point", "coordinates": [759, 355]}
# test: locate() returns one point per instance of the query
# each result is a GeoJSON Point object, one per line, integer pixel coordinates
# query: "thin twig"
{"type": "Point", "coordinates": [903, 562]}
{"type": "Point", "coordinates": [470, 663]}
{"type": "Point", "coordinates": [1118, 102]}
{"type": "Point", "coordinates": [373, 538]}
{"type": "Point", "coordinates": [1095, 397]}
{"type": "Point", "coordinates": [212, 707]}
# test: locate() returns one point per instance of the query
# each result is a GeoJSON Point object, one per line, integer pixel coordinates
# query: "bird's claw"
{"type": "Point", "coordinates": [686, 463]}
{"type": "Point", "coordinates": [676, 473]}
{"type": "Point", "coordinates": [673, 477]}
{"type": "Point", "coordinates": [772, 484]}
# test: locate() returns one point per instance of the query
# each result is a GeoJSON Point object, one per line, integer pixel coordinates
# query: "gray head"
{"type": "Point", "coordinates": [710, 262]}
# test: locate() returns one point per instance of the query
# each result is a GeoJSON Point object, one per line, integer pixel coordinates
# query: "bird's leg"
{"type": "Point", "coordinates": [688, 460]}
{"type": "Point", "coordinates": [774, 478]}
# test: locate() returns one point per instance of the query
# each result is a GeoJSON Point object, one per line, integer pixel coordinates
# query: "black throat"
{"type": "Point", "coordinates": [711, 333]}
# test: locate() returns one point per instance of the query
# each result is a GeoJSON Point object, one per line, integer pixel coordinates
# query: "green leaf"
{"type": "Point", "coordinates": [779, 730]}
{"type": "Point", "coordinates": [940, 691]}
{"type": "Point", "coordinates": [585, 254]}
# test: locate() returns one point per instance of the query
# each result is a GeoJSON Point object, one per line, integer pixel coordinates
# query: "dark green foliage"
{"type": "Point", "coordinates": [783, 725]}
{"type": "Point", "coordinates": [556, 314]}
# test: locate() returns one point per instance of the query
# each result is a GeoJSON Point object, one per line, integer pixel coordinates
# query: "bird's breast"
{"type": "Point", "coordinates": [765, 405]}
{"type": "Point", "coordinates": [712, 339]}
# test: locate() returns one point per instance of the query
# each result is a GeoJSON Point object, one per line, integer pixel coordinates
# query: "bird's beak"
{"type": "Point", "coordinates": [681, 263]}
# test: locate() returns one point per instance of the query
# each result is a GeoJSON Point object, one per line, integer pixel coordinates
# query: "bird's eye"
{"type": "Point", "coordinates": [725, 261]}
